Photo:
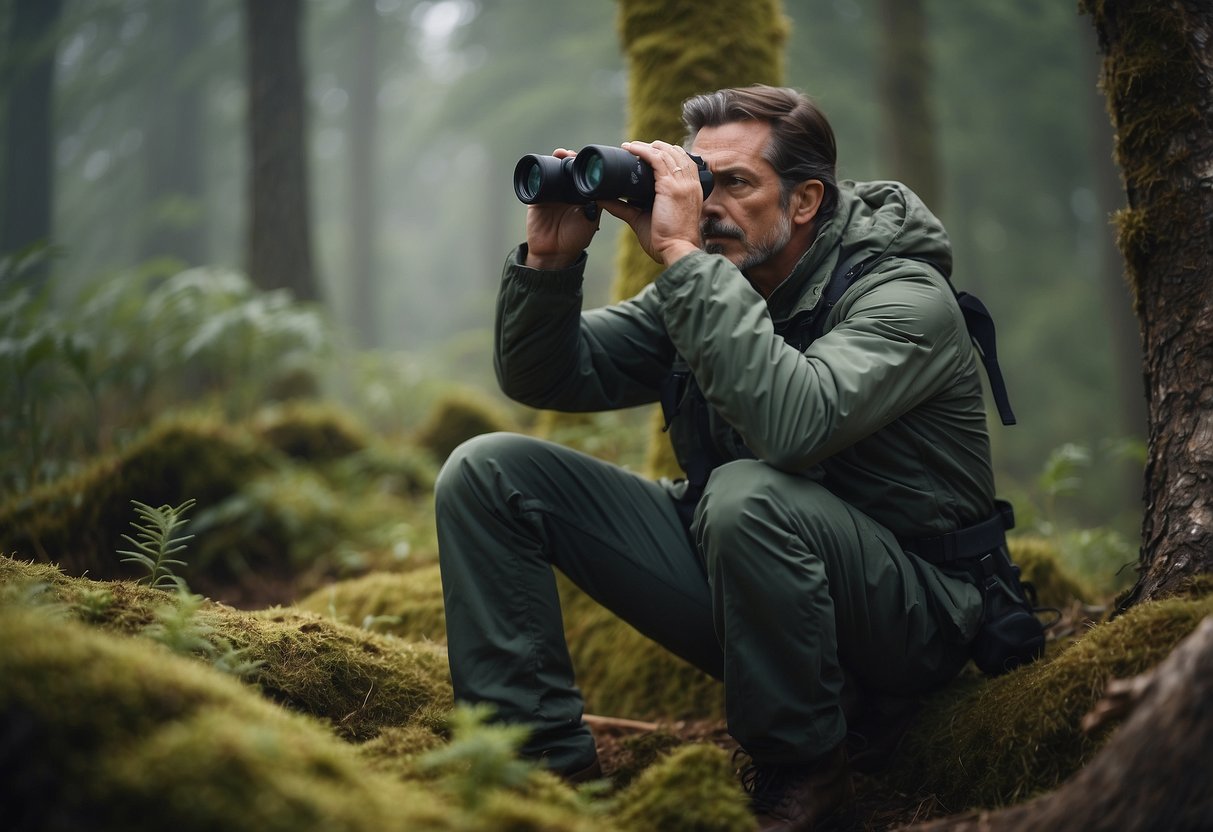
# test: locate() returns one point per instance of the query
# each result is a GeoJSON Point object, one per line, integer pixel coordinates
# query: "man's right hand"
{"type": "Point", "coordinates": [557, 233]}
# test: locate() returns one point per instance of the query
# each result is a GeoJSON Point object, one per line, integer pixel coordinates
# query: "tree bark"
{"type": "Point", "coordinates": [28, 184]}
{"type": "Point", "coordinates": [669, 60]}
{"type": "Point", "coordinates": [1158, 79]}
{"type": "Point", "coordinates": [905, 94]}
{"type": "Point", "coordinates": [280, 244]}
{"type": "Point", "coordinates": [1152, 774]}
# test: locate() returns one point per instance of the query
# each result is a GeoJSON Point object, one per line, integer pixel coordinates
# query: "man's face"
{"type": "Point", "coordinates": [742, 218]}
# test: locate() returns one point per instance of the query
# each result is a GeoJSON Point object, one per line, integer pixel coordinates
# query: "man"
{"type": "Point", "coordinates": [779, 561]}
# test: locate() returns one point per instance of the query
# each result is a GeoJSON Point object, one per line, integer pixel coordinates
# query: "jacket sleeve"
{"type": "Point", "coordinates": [894, 344]}
{"type": "Point", "coordinates": [549, 354]}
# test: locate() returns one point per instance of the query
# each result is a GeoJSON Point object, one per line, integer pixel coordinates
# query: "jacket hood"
{"type": "Point", "coordinates": [873, 221]}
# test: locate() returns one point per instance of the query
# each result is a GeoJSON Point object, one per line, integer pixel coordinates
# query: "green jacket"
{"type": "Point", "coordinates": [885, 408]}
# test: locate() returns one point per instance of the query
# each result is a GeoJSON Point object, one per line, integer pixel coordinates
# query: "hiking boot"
{"type": "Point", "coordinates": [802, 797]}
{"type": "Point", "coordinates": [875, 735]}
{"type": "Point", "coordinates": [583, 775]}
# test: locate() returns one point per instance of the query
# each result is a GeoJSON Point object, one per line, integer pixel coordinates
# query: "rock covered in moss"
{"type": "Point", "coordinates": [79, 520]}
{"type": "Point", "coordinates": [359, 682]}
{"type": "Point", "coordinates": [113, 733]}
{"type": "Point", "coordinates": [1039, 560]}
{"type": "Point", "coordinates": [693, 788]}
{"type": "Point", "coordinates": [457, 417]}
{"type": "Point", "coordinates": [620, 672]}
{"type": "Point", "coordinates": [405, 604]}
{"type": "Point", "coordinates": [311, 431]}
{"type": "Point", "coordinates": [993, 742]}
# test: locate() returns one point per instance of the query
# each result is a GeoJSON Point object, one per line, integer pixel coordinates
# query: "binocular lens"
{"type": "Point", "coordinates": [593, 171]}
{"type": "Point", "coordinates": [545, 179]}
{"type": "Point", "coordinates": [534, 179]}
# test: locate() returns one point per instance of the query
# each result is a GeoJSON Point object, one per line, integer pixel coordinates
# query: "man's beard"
{"type": "Point", "coordinates": [753, 254]}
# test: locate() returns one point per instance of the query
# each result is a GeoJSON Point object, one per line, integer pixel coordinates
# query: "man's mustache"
{"type": "Point", "coordinates": [717, 228]}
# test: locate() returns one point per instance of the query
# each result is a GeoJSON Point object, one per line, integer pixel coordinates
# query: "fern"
{"type": "Point", "coordinates": [482, 756]}
{"type": "Point", "coordinates": [159, 538]}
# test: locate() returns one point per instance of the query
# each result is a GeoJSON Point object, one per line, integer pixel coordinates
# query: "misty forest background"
{"type": "Point", "coordinates": [415, 113]}
{"type": "Point", "coordinates": [249, 252]}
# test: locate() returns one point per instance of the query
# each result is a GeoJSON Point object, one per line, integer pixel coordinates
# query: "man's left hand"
{"type": "Point", "coordinates": [670, 229]}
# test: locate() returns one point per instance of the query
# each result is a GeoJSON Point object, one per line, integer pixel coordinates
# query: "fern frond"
{"type": "Point", "coordinates": [158, 539]}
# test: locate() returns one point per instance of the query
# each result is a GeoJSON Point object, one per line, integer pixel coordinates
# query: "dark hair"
{"type": "Point", "coordinates": [802, 143]}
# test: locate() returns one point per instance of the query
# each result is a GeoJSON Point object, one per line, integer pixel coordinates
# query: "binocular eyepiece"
{"type": "Point", "coordinates": [597, 172]}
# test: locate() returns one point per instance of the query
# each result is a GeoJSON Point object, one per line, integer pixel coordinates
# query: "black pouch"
{"type": "Point", "coordinates": [1011, 635]}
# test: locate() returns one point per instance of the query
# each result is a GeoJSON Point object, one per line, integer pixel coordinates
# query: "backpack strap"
{"type": "Point", "coordinates": [980, 324]}
{"type": "Point", "coordinates": [978, 321]}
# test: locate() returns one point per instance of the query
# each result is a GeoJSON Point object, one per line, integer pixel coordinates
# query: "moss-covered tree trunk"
{"type": "Point", "coordinates": [675, 49]}
{"type": "Point", "coordinates": [905, 99]}
{"type": "Point", "coordinates": [1158, 79]}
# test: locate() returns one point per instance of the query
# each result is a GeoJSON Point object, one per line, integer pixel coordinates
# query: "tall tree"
{"type": "Point", "coordinates": [908, 132]}
{"type": "Point", "coordinates": [27, 69]}
{"type": "Point", "coordinates": [669, 60]}
{"type": "Point", "coordinates": [1158, 79]}
{"type": "Point", "coordinates": [174, 136]}
{"type": "Point", "coordinates": [280, 241]}
{"type": "Point", "coordinates": [363, 155]}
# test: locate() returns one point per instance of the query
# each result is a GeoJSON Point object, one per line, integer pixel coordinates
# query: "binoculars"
{"type": "Point", "coordinates": [597, 172]}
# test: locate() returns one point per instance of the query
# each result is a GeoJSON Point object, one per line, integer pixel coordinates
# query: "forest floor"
{"type": "Point", "coordinates": [878, 807]}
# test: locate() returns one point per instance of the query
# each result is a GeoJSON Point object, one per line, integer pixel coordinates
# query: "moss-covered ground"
{"type": "Point", "coordinates": [305, 685]}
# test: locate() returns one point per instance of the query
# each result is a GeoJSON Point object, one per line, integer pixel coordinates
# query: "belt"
{"type": "Point", "coordinates": [969, 542]}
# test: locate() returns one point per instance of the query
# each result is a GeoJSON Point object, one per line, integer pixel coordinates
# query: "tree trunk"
{"type": "Point", "coordinates": [280, 244]}
{"type": "Point", "coordinates": [174, 139]}
{"type": "Point", "coordinates": [363, 155]}
{"type": "Point", "coordinates": [1152, 774]}
{"type": "Point", "coordinates": [668, 61]}
{"type": "Point", "coordinates": [28, 183]}
{"type": "Point", "coordinates": [1158, 78]}
{"type": "Point", "coordinates": [905, 96]}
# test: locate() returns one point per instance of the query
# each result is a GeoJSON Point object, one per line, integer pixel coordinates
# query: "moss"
{"type": "Point", "coordinates": [1039, 561]}
{"type": "Point", "coordinates": [623, 673]}
{"type": "Point", "coordinates": [114, 733]}
{"type": "Point", "coordinates": [408, 605]}
{"type": "Point", "coordinates": [457, 417]}
{"type": "Point", "coordinates": [692, 789]}
{"type": "Point", "coordinates": [359, 682]}
{"type": "Point", "coordinates": [994, 742]}
{"type": "Point", "coordinates": [80, 519]}
{"type": "Point", "coordinates": [638, 753]}
{"type": "Point", "coordinates": [311, 431]}
{"type": "Point", "coordinates": [1155, 83]}
{"type": "Point", "coordinates": [620, 672]}
{"type": "Point", "coordinates": [669, 60]}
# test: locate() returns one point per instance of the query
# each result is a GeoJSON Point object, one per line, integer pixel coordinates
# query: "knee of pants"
{"type": "Point", "coordinates": [466, 467]}
{"type": "Point", "coordinates": [747, 503]}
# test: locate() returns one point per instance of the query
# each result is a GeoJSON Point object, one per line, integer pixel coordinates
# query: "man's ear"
{"type": "Point", "coordinates": [806, 200]}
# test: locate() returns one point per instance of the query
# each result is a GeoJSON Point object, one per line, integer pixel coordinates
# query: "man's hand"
{"type": "Point", "coordinates": [557, 233]}
{"type": "Point", "coordinates": [670, 229]}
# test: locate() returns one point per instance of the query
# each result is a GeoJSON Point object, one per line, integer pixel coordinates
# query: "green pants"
{"type": "Point", "coordinates": [777, 586]}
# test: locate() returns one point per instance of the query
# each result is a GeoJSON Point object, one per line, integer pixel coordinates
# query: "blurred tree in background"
{"type": "Point", "coordinates": [280, 229]}
{"type": "Point", "coordinates": [27, 70]}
